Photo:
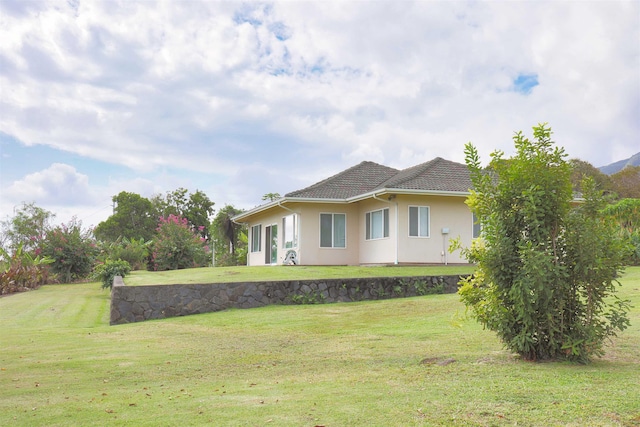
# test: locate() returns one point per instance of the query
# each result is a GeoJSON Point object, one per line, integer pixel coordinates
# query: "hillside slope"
{"type": "Point", "coordinates": [619, 165]}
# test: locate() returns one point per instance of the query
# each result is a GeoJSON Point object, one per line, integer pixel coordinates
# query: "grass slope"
{"type": "Point", "coordinates": [280, 272]}
{"type": "Point", "coordinates": [333, 365]}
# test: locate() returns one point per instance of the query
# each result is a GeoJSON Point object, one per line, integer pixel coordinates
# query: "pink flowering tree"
{"type": "Point", "coordinates": [178, 245]}
{"type": "Point", "coordinates": [72, 249]}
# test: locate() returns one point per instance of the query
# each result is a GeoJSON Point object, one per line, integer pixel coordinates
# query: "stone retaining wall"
{"type": "Point", "coordinates": [138, 303]}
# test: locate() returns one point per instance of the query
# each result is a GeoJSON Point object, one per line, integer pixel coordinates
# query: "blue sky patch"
{"type": "Point", "coordinates": [524, 83]}
{"type": "Point", "coordinates": [280, 31]}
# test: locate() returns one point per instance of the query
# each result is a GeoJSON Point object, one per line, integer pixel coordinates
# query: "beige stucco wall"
{"type": "Point", "coordinates": [309, 250]}
{"type": "Point", "coordinates": [444, 212]}
{"type": "Point", "coordinates": [449, 212]}
{"type": "Point", "coordinates": [378, 251]}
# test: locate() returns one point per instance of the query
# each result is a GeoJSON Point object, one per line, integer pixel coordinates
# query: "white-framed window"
{"type": "Point", "coordinates": [256, 236]}
{"type": "Point", "coordinates": [377, 224]}
{"type": "Point", "coordinates": [333, 230]}
{"type": "Point", "coordinates": [290, 231]}
{"type": "Point", "coordinates": [419, 221]}
{"type": "Point", "coordinates": [477, 227]}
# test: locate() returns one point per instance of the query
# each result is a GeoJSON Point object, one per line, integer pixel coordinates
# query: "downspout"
{"type": "Point", "coordinates": [397, 231]}
{"type": "Point", "coordinates": [285, 208]}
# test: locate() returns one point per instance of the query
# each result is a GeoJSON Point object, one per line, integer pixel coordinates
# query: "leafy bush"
{"type": "Point", "coordinates": [134, 251]}
{"type": "Point", "coordinates": [545, 281]}
{"type": "Point", "coordinates": [72, 250]}
{"type": "Point", "coordinates": [177, 246]}
{"type": "Point", "coordinates": [23, 272]}
{"type": "Point", "coordinates": [626, 213]}
{"type": "Point", "coordinates": [110, 269]}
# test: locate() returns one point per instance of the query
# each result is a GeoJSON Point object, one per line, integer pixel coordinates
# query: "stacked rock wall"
{"type": "Point", "coordinates": [138, 303]}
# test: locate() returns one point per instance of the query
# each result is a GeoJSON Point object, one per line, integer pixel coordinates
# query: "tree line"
{"type": "Point", "coordinates": [171, 231]}
{"type": "Point", "coordinates": [624, 184]}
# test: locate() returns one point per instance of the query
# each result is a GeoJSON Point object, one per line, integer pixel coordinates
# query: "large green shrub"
{"type": "Point", "coordinates": [545, 270]}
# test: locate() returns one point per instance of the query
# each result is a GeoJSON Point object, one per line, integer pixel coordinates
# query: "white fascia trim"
{"type": "Point", "coordinates": [381, 191]}
{"type": "Point", "coordinates": [240, 217]}
{"type": "Point", "coordinates": [359, 197]}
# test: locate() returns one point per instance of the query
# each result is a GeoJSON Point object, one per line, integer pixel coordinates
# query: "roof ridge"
{"type": "Point", "coordinates": [338, 176]}
{"type": "Point", "coordinates": [417, 170]}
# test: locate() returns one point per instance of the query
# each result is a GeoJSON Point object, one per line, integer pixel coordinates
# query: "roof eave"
{"type": "Point", "coordinates": [240, 217]}
{"type": "Point", "coordinates": [408, 192]}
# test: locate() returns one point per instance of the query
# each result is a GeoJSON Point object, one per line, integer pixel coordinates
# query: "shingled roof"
{"type": "Point", "coordinates": [359, 179]}
{"type": "Point", "coordinates": [435, 175]}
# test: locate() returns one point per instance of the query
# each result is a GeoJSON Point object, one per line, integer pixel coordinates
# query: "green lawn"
{"type": "Point", "coordinates": [351, 364]}
{"type": "Point", "coordinates": [281, 272]}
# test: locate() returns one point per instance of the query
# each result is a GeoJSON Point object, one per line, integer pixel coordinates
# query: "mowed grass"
{"type": "Point", "coordinates": [351, 364]}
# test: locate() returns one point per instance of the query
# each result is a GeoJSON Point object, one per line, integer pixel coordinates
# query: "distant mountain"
{"type": "Point", "coordinates": [618, 166]}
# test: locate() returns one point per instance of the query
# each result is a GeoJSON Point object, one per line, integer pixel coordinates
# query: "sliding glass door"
{"type": "Point", "coordinates": [271, 245]}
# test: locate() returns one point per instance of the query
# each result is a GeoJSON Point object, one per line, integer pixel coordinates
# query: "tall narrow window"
{"type": "Point", "coordinates": [477, 227]}
{"type": "Point", "coordinates": [377, 224]}
{"type": "Point", "coordinates": [290, 229]}
{"type": "Point", "coordinates": [419, 221]}
{"type": "Point", "coordinates": [333, 230]}
{"type": "Point", "coordinates": [256, 234]}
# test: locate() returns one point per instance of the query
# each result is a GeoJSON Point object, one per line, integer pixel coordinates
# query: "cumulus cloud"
{"type": "Point", "coordinates": [296, 91]}
{"type": "Point", "coordinates": [58, 185]}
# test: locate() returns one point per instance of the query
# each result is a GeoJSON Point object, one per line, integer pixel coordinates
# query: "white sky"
{"type": "Point", "coordinates": [239, 99]}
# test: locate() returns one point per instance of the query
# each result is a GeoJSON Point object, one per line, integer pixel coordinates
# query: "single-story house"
{"type": "Point", "coordinates": [367, 214]}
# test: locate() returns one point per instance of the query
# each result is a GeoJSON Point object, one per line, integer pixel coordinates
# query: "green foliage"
{"type": "Point", "coordinates": [581, 170]}
{"type": "Point", "coordinates": [627, 182]}
{"type": "Point", "coordinates": [626, 213]}
{"type": "Point", "coordinates": [23, 272]}
{"type": "Point", "coordinates": [177, 246]}
{"type": "Point", "coordinates": [308, 298]}
{"type": "Point", "coordinates": [424, 288]}
{"type": "Point", "coordinates": [106, 271]}
{"type": "Point", "coordinates": [271, 197]}
{"type": "Point", "coordinates": [26, 229]}
{"type": "Point", "coordinates": [133, 218]}
{"type": "Point", "coordinates": [199, 210]}
{"type": "Point", "coordinates": [72, 249]}
{"type": "Point", "coordinates": [545, 271]}
{"type": "Point", "coordinates": [134, 251]}
{"type": "Point", "coordinates": [196, 207]}
{"type": "Point", "coordinates": [421, 287]}
{"type": "Point", "coordinates": [229, 238]}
